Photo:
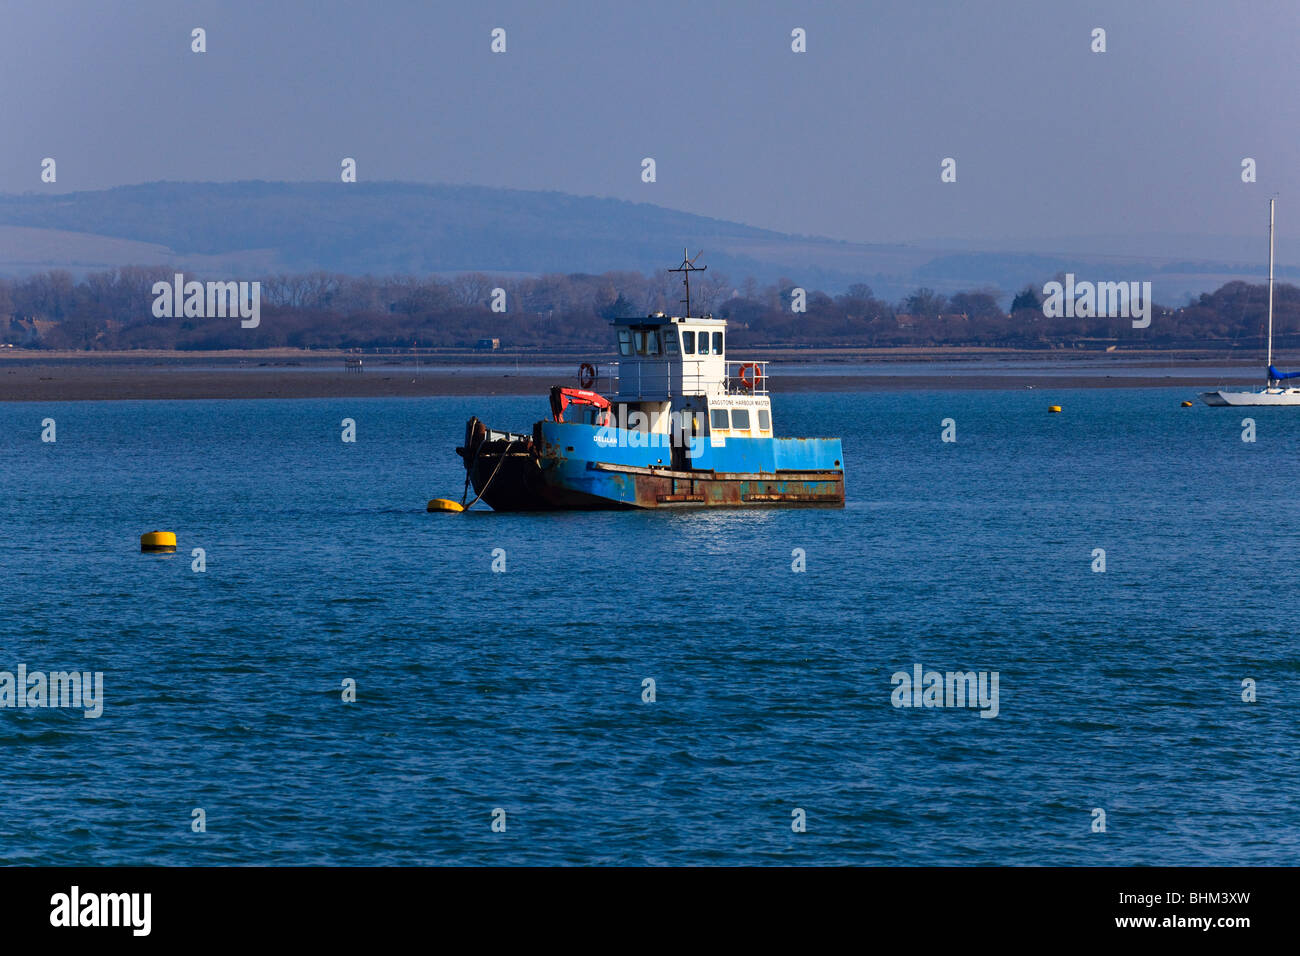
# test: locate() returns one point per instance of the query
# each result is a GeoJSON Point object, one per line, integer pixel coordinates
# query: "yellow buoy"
{"type": "Point", "coordinates": [444, 504]}
{"type": "Point", "coordinates": [1187, 404]}
{"type": "Point", "coordinates": [158, 541]}
{"type": "Point", "coordinates": [1054, 408]}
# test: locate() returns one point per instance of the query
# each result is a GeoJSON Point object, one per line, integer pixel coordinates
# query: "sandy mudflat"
{"type": "Point", "coordinates": [99, 383]}
{"type": "Point", "coordinates": [53, 377]}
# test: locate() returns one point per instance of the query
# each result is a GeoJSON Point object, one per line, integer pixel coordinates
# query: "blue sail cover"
{"type": "Point", "coordinates": [1277, 376]}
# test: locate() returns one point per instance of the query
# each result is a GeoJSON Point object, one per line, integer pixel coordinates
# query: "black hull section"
{"type": "Point", "coordinates": [506, 474]}
{"type": "Point", "coordinates": [514, 481]}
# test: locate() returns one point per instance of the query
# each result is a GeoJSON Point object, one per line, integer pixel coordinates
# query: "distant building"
{"type": "Point", "coordinates": [488, 345]}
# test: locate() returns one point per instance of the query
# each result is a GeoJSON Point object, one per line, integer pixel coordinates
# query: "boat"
{"type": "Point", "coordinates": [1273, 392]}
{"type": "Point", "coordinates": [682, 427]}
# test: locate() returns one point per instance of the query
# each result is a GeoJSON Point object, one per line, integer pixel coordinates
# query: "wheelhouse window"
{"type": "Point", "coordinates": [670, 343]}
{"type": "Point", "coordinates": [740, 419]}
{"type": "Point", "coordinates": [718, 419]}
{"type": "Point", "coordinates": [645, 341]}
{"type": "Point", "coordinates": [624, 342]}
{"type": "Point", "coordinates": [688, 342]}
{"type": "Point", "coordinates": [764, 420]}
{"type": "Point", "coordinates": [717, 343]}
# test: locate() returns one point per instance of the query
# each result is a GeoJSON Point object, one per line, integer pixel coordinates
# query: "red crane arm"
{"type": "Point", "coordinates": [562, 398]}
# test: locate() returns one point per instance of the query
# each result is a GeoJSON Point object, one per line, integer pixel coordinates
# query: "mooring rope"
{"type": "Point", "coordinates": [469, 470]}
{"type": "Point", "coordinates": [501, 461]}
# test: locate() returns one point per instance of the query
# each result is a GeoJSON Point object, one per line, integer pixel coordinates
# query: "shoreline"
{"type": "Point", "coordinates": [28, 376]}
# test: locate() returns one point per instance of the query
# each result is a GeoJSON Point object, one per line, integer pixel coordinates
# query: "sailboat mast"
{"type": "Point", "coordinates": [1271, 203]}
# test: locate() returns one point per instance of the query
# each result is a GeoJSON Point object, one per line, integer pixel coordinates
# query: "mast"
{"type": "Point", "coordinates": [687, 267]}
{"type": "Point", "coordinates": [1271, 203]}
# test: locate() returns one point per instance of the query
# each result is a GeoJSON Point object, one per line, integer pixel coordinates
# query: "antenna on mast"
{"type": "Point", "coordinates": [686, 268]}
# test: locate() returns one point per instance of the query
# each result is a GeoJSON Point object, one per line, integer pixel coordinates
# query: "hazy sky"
{"type": "Point", "coordinates": [844, 140]}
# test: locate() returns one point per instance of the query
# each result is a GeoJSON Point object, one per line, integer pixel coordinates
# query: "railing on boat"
{"type": "Point", "coordinates": [740, 378]}
{"type": "Point", "coordinates": [746, 378]}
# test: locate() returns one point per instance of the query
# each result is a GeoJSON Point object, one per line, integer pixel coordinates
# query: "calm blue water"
{"type": "Point", "coordinates": [522, 690]}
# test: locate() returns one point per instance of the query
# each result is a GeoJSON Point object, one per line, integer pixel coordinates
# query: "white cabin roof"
{"type": "Point", "coordinates": [660, 318]}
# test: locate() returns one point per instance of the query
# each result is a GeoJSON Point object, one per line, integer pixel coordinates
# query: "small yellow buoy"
{"type": "Point", "coordinates": [158, 541]}
{"type": "Point", "coordinates": [444, 504]}
{"type": "Point", "coordinates": [1187, 404]}
{"type": "Point", "coordinates": [1054, 408]}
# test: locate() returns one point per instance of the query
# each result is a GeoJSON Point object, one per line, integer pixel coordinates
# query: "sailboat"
{"type": "Point", "coordinates": [1274, 392]}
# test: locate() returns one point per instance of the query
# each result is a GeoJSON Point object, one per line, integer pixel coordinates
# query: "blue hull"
{"type": "Point", "coordinates": [576, 467]}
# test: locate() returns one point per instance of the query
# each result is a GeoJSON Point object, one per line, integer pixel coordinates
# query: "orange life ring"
{"type": "Point", "coordinates": [748, 383]}
{"type": "Point", "coordinates": [586, 375]}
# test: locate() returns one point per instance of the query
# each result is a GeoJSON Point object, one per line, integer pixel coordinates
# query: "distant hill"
{"type": "Point", "coordinates": [256, 228]}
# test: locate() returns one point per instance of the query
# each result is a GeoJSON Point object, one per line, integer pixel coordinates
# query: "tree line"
{"type": "Point", "coordinates": [113, 309]}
